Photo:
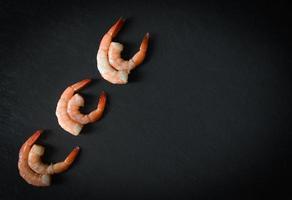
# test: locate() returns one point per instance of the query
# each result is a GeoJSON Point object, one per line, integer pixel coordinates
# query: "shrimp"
{"type": "Point", "coordinates": [103, 65]}
{"type": "Point", "coordinates": [77, 101]}
{"type": "Point", "coordinates": [117, 73]}
{"type": "Point", "coordinates": [36, 164]}
{"type": "Point", "coordinates": [64, 119]}
{"type": "Point", "coordinates": [25, 171]}
{"type": "Point", "coordinates": [119, 63]}
{"type": "Point", "coordinates": [68, 117]}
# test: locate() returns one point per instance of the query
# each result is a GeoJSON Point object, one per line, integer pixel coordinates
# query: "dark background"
{"type": "Point", "coordinates": [206, 116]}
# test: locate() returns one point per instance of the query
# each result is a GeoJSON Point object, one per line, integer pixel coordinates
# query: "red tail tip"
{"type": "Point", "coordinates": [77, 148]}
{"type": "Point", "coordinates": [38, 133]}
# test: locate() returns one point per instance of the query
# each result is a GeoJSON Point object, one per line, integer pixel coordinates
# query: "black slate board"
{"type": "Point", "coordinates": [207, 115]}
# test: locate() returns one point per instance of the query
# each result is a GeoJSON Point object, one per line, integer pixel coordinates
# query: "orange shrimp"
{"type": "Point", "coordinates": [117, 74]}
{"type": "Point", "coordinates": [36, 164]}
{"type": "Point", "coordinates": [119, 63]}
{"type": "Point", "coordinates": [64, 119]}
{"type": "Point", "coordinates": [103, 65]}
{"type": "Point", "coordinates": [24, 170]}
{"type": "Point", "coordinates": [69, 117]}
{"type": "Point", "coordinates": [77, 101]}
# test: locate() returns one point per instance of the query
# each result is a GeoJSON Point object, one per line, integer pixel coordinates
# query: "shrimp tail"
{"type": "Point", "coordinates": [101, 101]}
{"type": "Point", "coordinates": [32, 139]}
{"type": "Point", "coordinates": [140, 55]}
{"type": "Point", "coordinates": [81, 84]}
{"type": "Point", "coordinates": [63, 166]}
{"type": "Point", "coordinates": [144, 43]}
{"type": "Point", "coordinates": [72, 156]}
{"type": "Point", "coordinates": [97, 113]}
{"type": "Point", "coordinates": [113, 31]}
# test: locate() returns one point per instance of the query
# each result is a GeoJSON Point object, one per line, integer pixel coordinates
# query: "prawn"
{"type": "Point", "coordinates": [77, 101]}
{"type": "Point", "coordinates": [36, 164]}
{"type": "Point", "coordinates": [119, 63]}
{"type": "Point", "coordinates": [64, 119]}
{"type": "Point", "coordinates": [117, 74]}
{"type": "Point", "coordinates": [25, 171]}
{"type": "Point", "coordinates": [68, 117]}
{"type": "Point", "coordinates": [106, 70]}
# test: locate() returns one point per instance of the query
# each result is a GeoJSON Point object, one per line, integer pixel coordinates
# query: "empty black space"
{"type": "Point", "coordinates": [206, 116]}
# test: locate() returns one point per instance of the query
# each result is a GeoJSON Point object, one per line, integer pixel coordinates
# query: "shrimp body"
{"type": "Point", "coordinates": [113, 68]}
{"type": "Point", "coordinates": [64, 119]}
{"type": "Point", "coordinates": [36, 164]}
{"type": "Point", "coordinates": [103, 65]}
{"type": "Point", "coordinates": [77, 101]}
{"type": "Point", "coordinates": [24, 170]}
{"type": "Point", "coordinates": [67, 113]}
{"type": "Point", "coordinates": [119, 63]}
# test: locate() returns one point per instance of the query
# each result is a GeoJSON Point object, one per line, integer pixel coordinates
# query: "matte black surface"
{"type": "Point", "coordinates": [206, 116]}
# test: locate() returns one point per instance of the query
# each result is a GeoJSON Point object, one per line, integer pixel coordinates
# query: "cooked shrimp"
{"type": "Point", "coordinates": [24, 170]}
{"type": "Point", "coordinates": [68, 114]}
{"type": "Point", "coordinates": [119, 63]}
{"type": "Point", "coordinates": [36, 164]}
{"type": "Point", "coordinates": [77, 101]}
{"type": "Point", "coordinates": [64, 119]}
{"type": "Point", "coordinates": [103, 65]}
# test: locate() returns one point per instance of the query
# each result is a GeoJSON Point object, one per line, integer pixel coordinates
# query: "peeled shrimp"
{"type": "Point", "coordinates": [36, 164]}
{"type": "Point", "coordinates": [103, 65]}
{"type": "Point", "coordinates": [64, 119]}
{"type": "Point", "coordinates": [119, 63]}
{"type": "Point", "coordinates": [118, 75]}
{"type": "Point", "coordinates": [68, 118]}
{"type": "Point", "coordinates": [77, 101]}
{"type": "Point", "coordinates": [24, 170]}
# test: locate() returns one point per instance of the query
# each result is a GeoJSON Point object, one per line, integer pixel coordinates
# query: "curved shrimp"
{"type": "Point", "coordinates": [103, 65]}
{"type": "Point", "coordinates": [77, 101]}
{"type": "Point", "coordinates": [68, 114]}
{"type": "Point", "coordinates": [24, 170]}
{"type": "Point", "coordinates": [119, 63]}
{"type": "Point", "coordinates": [36, 164]}
{"type": "Point", "coordinates": [64, 119]}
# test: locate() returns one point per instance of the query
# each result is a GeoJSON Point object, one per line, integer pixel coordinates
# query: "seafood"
{"type": "Point", "coordinates": [64, 119]}
{"type": "Point", "coordinates": [36, 164]}
{"type": "Point", "coordinates": [69, 117]}
{"type": "Point", "coordinates": [117, 74]}
{"type": "Point", "coordinates": [103, 65]}
{"type": "Point", "coordinates": [77, 101]}
{"type": "Point", "coordinates": [119, 63]}
{"type": "Point", "coordinates": [24, 170]}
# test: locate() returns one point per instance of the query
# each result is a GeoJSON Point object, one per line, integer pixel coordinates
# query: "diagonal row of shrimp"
{"type": "Point", "coordinates": [69, 116]}
{"type": "Point", "coordinates": [33, 170]}
{"type": "Point", "coordinates": [109, 62]}
{"type": "Point", "coordinates": [113, 69]}
{"type": "Point", "coordinates": [30, 166]}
